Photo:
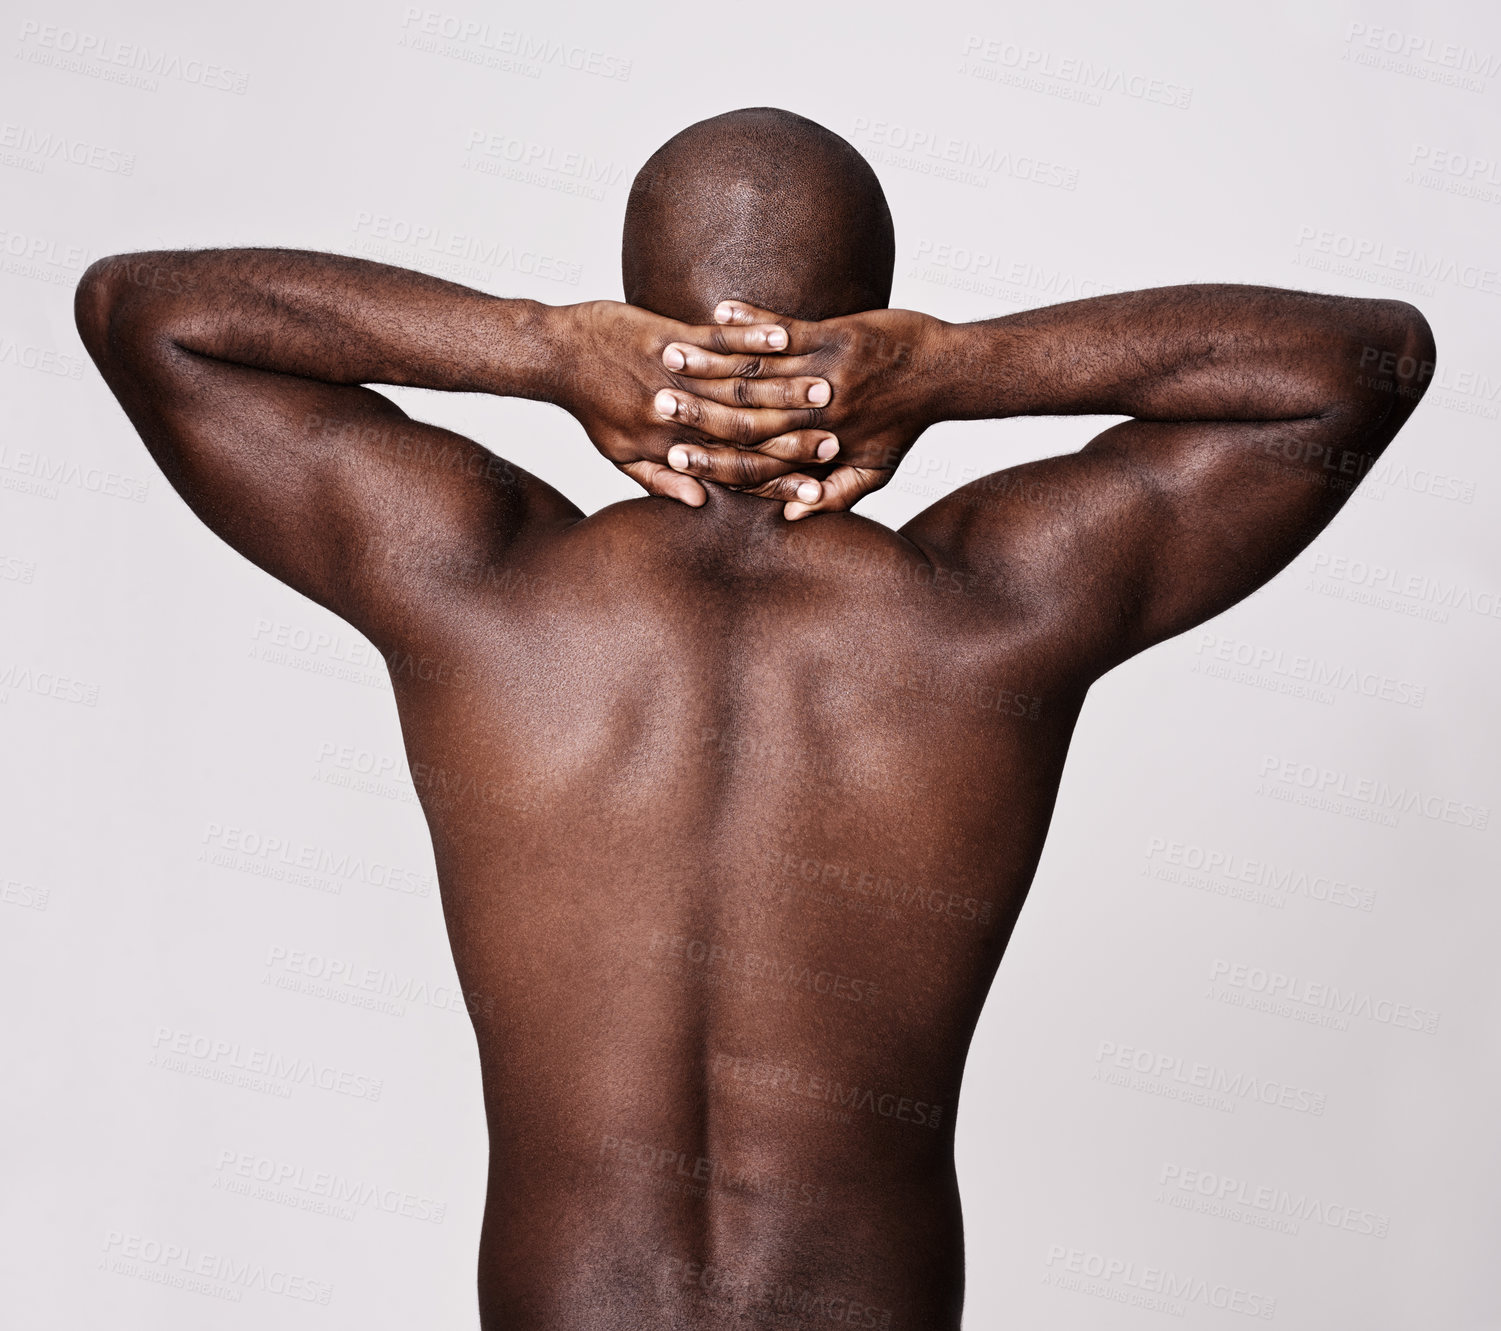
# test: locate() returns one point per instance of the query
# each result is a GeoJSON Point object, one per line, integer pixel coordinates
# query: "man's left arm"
{"type": "Point", "coordinates": [1255, 411]}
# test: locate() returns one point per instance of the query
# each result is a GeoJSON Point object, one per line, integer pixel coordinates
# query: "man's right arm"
{"type": "Point", "coordinates": [245, 370]}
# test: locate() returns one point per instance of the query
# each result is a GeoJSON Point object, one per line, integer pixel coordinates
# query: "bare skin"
{"type": "Point", "coordinates": [734, 815]}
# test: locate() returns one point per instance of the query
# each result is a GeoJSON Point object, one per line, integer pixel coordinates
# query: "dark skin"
{"type": "Point", "coordinates": [734, 814]}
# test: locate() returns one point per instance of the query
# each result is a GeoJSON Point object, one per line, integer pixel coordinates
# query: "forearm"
{"type": "Point", "coordinates": [1185, 353]}
{"type": "Point", "coordinates": [319, 316]}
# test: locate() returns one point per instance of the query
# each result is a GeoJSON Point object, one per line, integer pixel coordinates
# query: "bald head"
{"type": "Point", "coordinates": [762, 206]}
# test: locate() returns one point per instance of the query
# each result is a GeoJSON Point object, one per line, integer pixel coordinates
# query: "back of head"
{"type": "Point", "coordinates": [757, 205]}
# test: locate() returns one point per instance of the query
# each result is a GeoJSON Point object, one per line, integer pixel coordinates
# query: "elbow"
{"type": "Point", "coordinates": [1390, 348]}
{"type": "Point", "coordinates": [122, 304]}
{"type": "Point", "coordinates": [1421, 349]}
{"type": "Point", "coordinates": [94, 303]}
{"type": "Point", "coordinates": [1402, 354]}
{"type": "Point", "coordinates": [1403, 328]}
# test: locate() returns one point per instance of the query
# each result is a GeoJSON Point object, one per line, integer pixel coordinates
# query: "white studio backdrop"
{"type": "Point", "coordinates": [1243, 1043]}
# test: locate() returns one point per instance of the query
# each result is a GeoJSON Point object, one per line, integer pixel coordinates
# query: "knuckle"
{"type": "Point", "coordinates": [743, 428]}
{"type": "Point", "coordinates": [750, 367]}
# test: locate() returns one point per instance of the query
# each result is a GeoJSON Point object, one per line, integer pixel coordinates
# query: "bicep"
{"type": "Point", "coordinates": [334, 490]}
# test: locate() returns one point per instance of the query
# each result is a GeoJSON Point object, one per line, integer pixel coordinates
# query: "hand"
{"type": "Point", "coordinates": [877, 364]}
{"type": "Point", "coordinates": [613, 378]}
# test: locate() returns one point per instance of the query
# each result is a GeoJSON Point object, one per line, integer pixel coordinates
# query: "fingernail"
{"type": "Point", "coordinates": [808, 492]}
{"type": "Point", "coordinates": [724, 313]}
{"type": "Point", "coordinates": [665, 403]}
{"type": "Point", "coordinates": [677, 458]}
{"type": "Point", "coordinates": [674, 359]}
{"type": "Point", "coordinates": [818, 393]}
{"type": "Point", "coordinates": [827, 449]}
{"type": "Point", "coordinates": [777, 338]}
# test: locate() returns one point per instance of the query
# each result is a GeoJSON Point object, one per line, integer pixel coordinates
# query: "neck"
{"type": "Point", "coordinates": [743, 514]}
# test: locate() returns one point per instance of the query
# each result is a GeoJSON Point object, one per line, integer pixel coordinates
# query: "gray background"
{"type": "Point", "coordinates": [1305, 787]}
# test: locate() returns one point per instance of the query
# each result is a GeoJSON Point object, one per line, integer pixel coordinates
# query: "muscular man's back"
{"type": "Point", "coordinates": [733, 818]}
{"type": "Point", "coordinates": [733, 815]}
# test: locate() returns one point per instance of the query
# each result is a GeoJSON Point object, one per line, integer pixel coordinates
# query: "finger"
{"type": "Point", "coordinates": [656, 479]}
{"type": "Point", "coordinates": [801, 335]}
{"type": "Point", "coordinates": [698, 362]}
{"type": "Point", "coordinates": [799, 391]}
{"type": "Point", "coordinates": [801, 446]}
{"type": "Point", "coordinates": [736, 425]}
{"type": "Point", "coordinates": [756, 340]}
{"type": "Point", "coordinates": [841, 488]}
{"type": "Point", "coordinates": [785, 488]}
{"type": "Point", "coordinates": [724, 463]}
{"type": "Point", "coordinates": [718, 462]}
{"type": "Point", "coordinates": [739, 468]}
{"type": "Point", "coordinates": [743, 313]}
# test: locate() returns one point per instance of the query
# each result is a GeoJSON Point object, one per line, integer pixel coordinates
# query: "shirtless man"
{"type": "Point", "coordinates": [735, 795]}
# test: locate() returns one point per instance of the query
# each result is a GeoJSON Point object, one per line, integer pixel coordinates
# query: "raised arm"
{"type": "Point", "coordinates": [1255, 412]}
{"type": "Point", "coordinates": [243, 370]}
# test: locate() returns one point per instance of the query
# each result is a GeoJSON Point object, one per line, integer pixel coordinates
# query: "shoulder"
{"type": "Point", "coordinates": [1053, 546]}
{"type": "Point", "coordinates": [1017, 518]}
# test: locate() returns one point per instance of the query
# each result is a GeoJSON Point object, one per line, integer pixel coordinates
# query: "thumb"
{"type": "Point", "coordinates": [656, 479]}
{"type": "Point", "coordinates": [842, 488]}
